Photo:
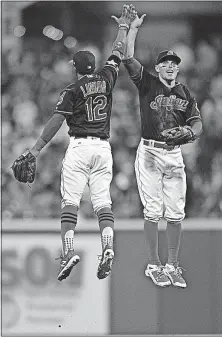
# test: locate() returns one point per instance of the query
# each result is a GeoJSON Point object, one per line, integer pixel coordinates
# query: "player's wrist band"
{"type": "Point", "coordinates": [123, 25]}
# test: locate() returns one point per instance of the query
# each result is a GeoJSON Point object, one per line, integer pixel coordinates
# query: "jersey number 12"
{"type": "Point", "coordinates": [94, 107]}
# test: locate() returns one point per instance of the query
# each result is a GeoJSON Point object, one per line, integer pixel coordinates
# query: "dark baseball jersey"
{"type": "Point", "coordinates": [162, 107]}
{"type": "Point", "coordinates": [87, 103]}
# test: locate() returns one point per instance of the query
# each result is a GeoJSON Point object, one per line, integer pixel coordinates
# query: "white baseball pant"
{"type": "Point", "coordinates": [161, 181]}
{"type": "Point", "coordinates": [87, 161]}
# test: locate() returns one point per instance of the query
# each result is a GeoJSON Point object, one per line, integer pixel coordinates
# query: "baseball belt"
{"type": "Point", "coordinates": [161, 145]}
{"type": "Point", "coordinates": [90, 137]}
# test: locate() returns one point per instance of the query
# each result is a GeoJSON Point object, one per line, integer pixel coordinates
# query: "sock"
{"type": "Point", "coordinates": [173, 240]}
{"type": "Point", "coordinates": [106, 225]}
{"type": "Point", "coordinates": [68, 224]}
{"type": "Point", "coordinates": [151, 234]}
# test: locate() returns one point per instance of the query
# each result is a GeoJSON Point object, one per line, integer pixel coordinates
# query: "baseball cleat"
{"type": "Point", "coordinates": [157, 274]}
{"type": "Point", "coordinates": [175, 275]}
{"type": "Point", "coordinates": [68, 261]}
{"type": "Point", "coordinates": [106, 261]}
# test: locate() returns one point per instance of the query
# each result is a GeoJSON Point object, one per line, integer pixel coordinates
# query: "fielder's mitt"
{"type": "Point", "coordinates": [24, 167]}
{"type": "Point", "coordinates": [178, 135]}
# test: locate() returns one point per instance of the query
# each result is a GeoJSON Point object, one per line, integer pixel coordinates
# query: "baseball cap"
{"type": "Point", "coordinates": [167, 55]}
{"type": "Point", "coordinates": [84, 62]}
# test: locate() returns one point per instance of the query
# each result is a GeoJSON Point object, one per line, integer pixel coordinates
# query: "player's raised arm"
{"type": "Point", "coordinates": [124, 25]}
{"type": "Point", "coordinates": [132, 65]}
{"type": "Point", "coordinates": [132, 34]}
{"type": "Point", "coordinates": [111, 68]}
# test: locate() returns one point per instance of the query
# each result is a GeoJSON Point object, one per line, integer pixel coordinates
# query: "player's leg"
{"type": "Point", "coordinates": [174, 188]}
{"type": "Point", "coordinates": [68, 258]}
{"type": "Point", "coordinates": [99, 184]}
{"type": "Point", "coordinates": [172, 268]}
{"type": "Point", "coordinates": [149, 180]}
{"type": "Point", "coordinates": [173, 233]}
{"type": "Point", "coordinates": [106, 225]}
{"type": "Point", "coordinates": [74, 177]}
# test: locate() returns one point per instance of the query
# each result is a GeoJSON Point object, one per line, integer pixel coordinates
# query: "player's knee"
{"type": "Point", "coordinates": [151, 214]}
{"type": "Point", "coordinates": [65, 203]}
{"type": "Point", "coordinates": [152, 218]}
{"type": "Point", "coordinates": [174, 221]}
{"type": "Point", "coordinates": [99, 205]}
{"type": "Point", "coordinates": [103, 209]}
{"type": "Point", "coordinates": [70, 209]}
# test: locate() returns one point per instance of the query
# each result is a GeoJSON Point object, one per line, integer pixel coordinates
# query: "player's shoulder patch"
{"type": "Point", "coordinates": [64, 92]}
{"type": "Point", "coordinates": [66, 89]}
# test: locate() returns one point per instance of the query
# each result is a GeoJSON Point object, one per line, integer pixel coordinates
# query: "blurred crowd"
{"type": "Point", "coordinates": [31, 82]}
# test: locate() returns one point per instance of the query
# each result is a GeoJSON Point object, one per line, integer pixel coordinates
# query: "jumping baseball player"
{"type": "Point", "coordinates": [86, 106]}
{"type": "Point", "coordinates": [169, 118]}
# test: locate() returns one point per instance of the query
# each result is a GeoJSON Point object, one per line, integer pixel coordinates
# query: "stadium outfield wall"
{"type": "Point", "coordinates": [127, 302]}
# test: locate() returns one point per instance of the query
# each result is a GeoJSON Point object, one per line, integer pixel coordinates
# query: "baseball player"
{"type": "Point", "coordinates": [169, 118]}
{"type": "Point", "coordinates": [86, 106]}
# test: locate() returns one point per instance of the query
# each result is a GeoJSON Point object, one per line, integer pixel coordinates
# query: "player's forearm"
{"type": "Point", "coordinates": [131, 64]}
{"type": "Point", "coordinates": [119, 44]}
{"type": "Point", "coordinates": [133, 67]}
{"type": "Point", "coordinates": [197, 128]}
{"type": "Point", "coordinates": [49, 131]}
{"type": "Point", "coordinates": [130, 43]}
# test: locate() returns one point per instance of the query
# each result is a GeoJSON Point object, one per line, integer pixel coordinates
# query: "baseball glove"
{"type": "Point", "coordinates": [178, 135]}
{"type": "Point", "coordinates": [24, 167]}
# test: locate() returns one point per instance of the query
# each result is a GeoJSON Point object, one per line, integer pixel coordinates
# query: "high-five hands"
{"type": "Point", "coordinates": [129, 16]}
{"type": "Point", "coordinates": [137, 22]}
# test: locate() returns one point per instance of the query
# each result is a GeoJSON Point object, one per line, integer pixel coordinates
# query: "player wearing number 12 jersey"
{"type": "Point", "coordinates": [86, 105]}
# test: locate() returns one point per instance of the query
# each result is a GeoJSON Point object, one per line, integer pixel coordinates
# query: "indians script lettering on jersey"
{"type": "Point", "coordinates": [87, 103]}
{"type": "Point", "coordinates": [170, 103]}
{"type": "Point", "coordinates": [162, 107]}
